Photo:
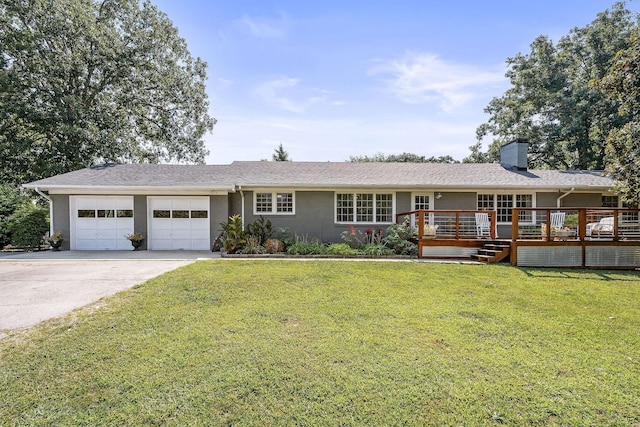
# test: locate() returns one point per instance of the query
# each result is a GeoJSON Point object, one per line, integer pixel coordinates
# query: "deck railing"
{"type": "Point", "coordinates": [451, 224]}
{"type": "Point", "coordinates": [578, 224]}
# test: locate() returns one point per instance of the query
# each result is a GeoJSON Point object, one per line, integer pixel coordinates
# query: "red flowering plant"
{"type": "Point", "coordinates": [353, 237]}
{"type": "Point", "coordinates": [373, 237]}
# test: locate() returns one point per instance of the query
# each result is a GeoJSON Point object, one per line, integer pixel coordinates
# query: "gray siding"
{"type": "Point", "coordinates": [61, 219]}
{"type": "Point", "coordinates": [313, 217]}
{"type": "Point", "coordinates": [403, 202]}
{"type": "Point", "coordinates": [140, 218]}
{"type": "Point", "coordinates": [573, 200]}
{"type": "Point", "coordinates": [456, 201]}
{"type": "Point", "coordinates": [578, 200]}
{"type": "Point", "coordinates": [219, 212]}
{"type": "Point", "coordinates": [546, 200]}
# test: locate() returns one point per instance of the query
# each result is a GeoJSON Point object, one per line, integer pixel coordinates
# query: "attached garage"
{"type": "Point", "coordinates": [100, 222]}
{"type": "Point", "coordinates": [177, 223]}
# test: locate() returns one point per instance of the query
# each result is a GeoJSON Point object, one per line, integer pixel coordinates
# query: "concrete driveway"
{"type": "Point", "coordinates": [43, 285]}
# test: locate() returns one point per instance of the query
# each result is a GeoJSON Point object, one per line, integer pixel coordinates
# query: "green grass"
{"type": "Point", "coordinates": [231, 342]}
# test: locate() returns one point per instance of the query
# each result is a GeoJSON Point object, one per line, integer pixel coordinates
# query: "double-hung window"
{"type": "Point", "coordinates": [273, 203]}
{"type": "Point", "coordinates": [504, 203]}
{"type": "Point", "coordinates": [364, 207]}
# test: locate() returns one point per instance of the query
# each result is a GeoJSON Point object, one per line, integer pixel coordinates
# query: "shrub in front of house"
{"type": "Point", "coordinates": [253, 246]}
{"type": "Point", "coordinates": [274, 246]}
{"type": "Point", "coordinates": [373, 249]}
{"type": "Point", "coordinates": [10, 201]}
{"type": "Point", "coordinates": [235, 238]}
{"type": "Point", "coordinates": [28, 225]}
{"type": "Point", "coordinates": [341, 249]}
{"type": "Point", "coordinates": [307, 248]}
{"type": "Point", "coordinates": [400, 237]}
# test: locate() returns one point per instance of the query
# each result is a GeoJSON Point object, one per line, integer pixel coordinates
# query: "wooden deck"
{"type": "Point", "coordinates": [587, 237]}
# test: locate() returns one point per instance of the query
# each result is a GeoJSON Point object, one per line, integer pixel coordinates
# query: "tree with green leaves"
{"type": "Point", "coordinates": [401, 158]}
{"type": "Point", "coordinates": [280, 155]}
{"type": "Point", "coordinates": [552, 102]}
{"type": "Point", "coordinates": [622, 84]}
{"type": "Point", "coordinates": [83, 82]}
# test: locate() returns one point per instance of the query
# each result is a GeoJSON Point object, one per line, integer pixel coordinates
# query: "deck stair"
{"type": "Point", "coordinates": [493, 252]}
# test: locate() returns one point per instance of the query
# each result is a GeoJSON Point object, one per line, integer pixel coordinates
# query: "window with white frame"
{"type": "Point", "coordinates": [504, 203]}
{"type": "Point", "coordinates": [364, 207]}
{"type": "Point", "coordinates": [421, 202]}
{"type": "Point", "coordinates": [273, 203]}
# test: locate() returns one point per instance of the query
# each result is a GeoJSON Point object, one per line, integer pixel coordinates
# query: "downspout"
{"type": "Point", "coordinates": [559, 200]}
{"type": "Point", "coordinates": [50, 209]}
{"type": "Point", "coordinates": [242, 204]}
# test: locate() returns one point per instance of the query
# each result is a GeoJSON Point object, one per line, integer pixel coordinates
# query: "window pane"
{"type": "Point", "coordinates": [485, 202]}
{"type": "Point", "coordinates": [179, 214]}
{"type": "Point", "coordinates": [609, 201]}
{"type": "Point", "coordinates": [86, 213]}
{"type": "Point", "coordinates": [199, 214]}
{"type": "Point", "coordinates": [364, 207]}
{"type": "Point", "coordinates": [284, 202]}
{"type": "Point", "coordinates": [384, 208]}
{"type": "Point", "coordinates": [162, 214]}
{"type": "Point", "coordinates": [344, 207]}
{"type": "Point", "coordinates": [106, 213]}
{"type": "Point", "coordinates": [421, 202]}
{"type": "Point", "coordinates": [124, 213]}
{"type": "Point", "coordinates": [263, 202]}
{"type": "Point", "coordinates": [524, 201]}
{"type": "Point", "coordinates": [504, 204]}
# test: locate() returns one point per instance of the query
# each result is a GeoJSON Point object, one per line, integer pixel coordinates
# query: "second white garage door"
{"type": "Point", "coordinates": [179, 223]}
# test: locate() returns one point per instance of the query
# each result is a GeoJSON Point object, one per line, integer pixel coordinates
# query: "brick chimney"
{"type": "Point", "coordinates": [513, 155]}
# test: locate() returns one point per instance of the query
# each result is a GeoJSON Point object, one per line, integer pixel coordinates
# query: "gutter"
{"type": "Point", "coordinates": [37, 190]}
{"type": "Point", "coordinates": [559, 199]}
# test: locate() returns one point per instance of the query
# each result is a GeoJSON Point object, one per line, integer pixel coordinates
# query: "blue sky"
{"type": "Point", "coordinates": [333, 79]}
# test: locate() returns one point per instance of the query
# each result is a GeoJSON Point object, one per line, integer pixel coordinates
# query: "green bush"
{"type": "Point", "coordinates": [571, 221]}
{"type": "Point", "coordinates": [307, 248]}
{"type": "Point", "coordinates": [28, 225]}
{"type": "Point", "coordinates": [10, 202]}
{"type": "Point", "coordinates": [341, 249]}
{"type": "Point", "coordinates": [235, 238]}
{"type": "Point", "coordinates": [253, 246]}
{"type": "Point", "coordinates": [376, 250]}
{"type": "Point", "coordinates": [261, 229]}
{"type": "Point", "coordinates": [399, 238]}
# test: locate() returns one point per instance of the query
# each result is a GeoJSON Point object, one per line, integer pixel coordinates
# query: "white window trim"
{"type": "Point", "coordinates": [354, 193]}
{"type": "Point", "coordinates": [513, 194]}
{"type": "Point", "coordinates": [274, 204]}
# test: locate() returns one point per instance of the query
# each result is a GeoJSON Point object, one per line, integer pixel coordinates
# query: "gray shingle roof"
{"type": "Point", "coordinates": [324, 175]}
{"type": "Point", "coordinates": [407, 175]}
{"type": "Point", "coordinates": [142, 175]}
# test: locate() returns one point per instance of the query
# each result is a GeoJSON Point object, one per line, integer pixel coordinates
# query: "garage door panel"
{"type": "Point", "coordinates": [179, 230]}
{"type": "Point", "coordinates": [102, 229]}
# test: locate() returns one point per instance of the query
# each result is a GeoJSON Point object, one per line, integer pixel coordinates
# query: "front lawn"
{"type": "Point", "coordinates": [230, 342]}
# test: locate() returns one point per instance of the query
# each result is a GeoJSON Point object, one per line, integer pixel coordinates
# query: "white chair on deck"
{"type": "Point", "coordinates": [483, 225]}
{"type": "Point", "coordinates": [557, 220]}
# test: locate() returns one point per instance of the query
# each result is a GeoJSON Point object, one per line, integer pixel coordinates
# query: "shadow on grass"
{"type": "Point", "coordinates": [604, 275]}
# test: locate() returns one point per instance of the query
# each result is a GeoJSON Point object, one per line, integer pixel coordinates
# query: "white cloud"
{"type": "Point", "coordinates": [426, 78]}
{"type": "Point", "coordinates": [265, 28]}
{"type": "Point", "coordinates": [286, 93]}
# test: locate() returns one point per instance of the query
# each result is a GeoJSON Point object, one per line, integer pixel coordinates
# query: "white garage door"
{"type": "Point", "coordinates": [179, 223]}
{"type": "Point", "coordinates": [100, 223]}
